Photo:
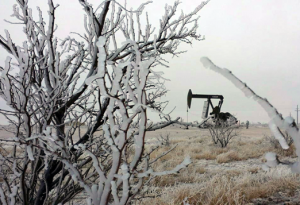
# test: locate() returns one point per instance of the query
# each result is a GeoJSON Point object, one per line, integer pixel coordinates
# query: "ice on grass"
{"type": "Point", "coordinates": [271, 159]}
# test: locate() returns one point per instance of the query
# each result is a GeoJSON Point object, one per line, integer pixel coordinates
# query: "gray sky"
{"type": "Point", "coordinates": [258, 42]}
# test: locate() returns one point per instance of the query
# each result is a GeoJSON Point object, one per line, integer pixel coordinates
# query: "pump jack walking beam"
{"type": "Point", "coordinates": [208, 97]}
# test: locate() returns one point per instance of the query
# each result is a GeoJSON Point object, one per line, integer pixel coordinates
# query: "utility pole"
{"type": "Point", "coordinates": [297, 110]}
{"type": "Point", "coordinates": [187, 114]}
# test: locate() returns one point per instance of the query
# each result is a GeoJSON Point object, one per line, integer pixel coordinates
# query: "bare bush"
{"type": "Point", "coordinates": [164, 139]}
{"type": "Point", "coordinates": [221, 133]}
{"type": "Point", "coordinates": [108, 86]}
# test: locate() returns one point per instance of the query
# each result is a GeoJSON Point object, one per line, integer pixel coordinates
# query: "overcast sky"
{"type": "Point", "coordinates": [259, 41]}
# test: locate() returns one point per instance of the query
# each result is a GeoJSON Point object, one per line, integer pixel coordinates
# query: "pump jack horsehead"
{"type": "Point", "coordinates": [216, 116]}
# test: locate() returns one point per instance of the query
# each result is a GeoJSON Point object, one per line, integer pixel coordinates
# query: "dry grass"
{"type": "Point", "coordinates": [236, 151]}
{"type": "Point", "coordinates": [205, 155]}
{"type": "Point", "coordinates": [291, 152]}
{"type": "Point", "coordinates": [176, 141]}
{"type": "Point", "coordinates": [190, 175]}
{"type": "Point", "coordinates": [228, 157]}
{"type": "Point", "coordinates": [200, 170]}
{"type": "Point", "coordinates": [253, 170]}
{"type": "Point", "coordinates": [215, 186]}
{"type": "Point", "coordinates": [230, 188]}
{"type": "Point", "coordinates": [239, 151]}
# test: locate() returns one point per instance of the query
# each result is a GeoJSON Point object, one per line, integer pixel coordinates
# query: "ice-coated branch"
{"type": "Point", "coordinates": [161, 125]}
{"type": "Point", "coordinates": [277, 121]}
{"type": "Point", "coordinates": [176, 170]}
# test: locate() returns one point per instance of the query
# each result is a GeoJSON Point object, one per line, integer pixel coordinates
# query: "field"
{"type": "Point", "coordinates": [230, 175]}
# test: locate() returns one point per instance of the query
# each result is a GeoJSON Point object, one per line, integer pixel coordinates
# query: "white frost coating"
{"type": "Point", "coordinates": [286, 124]}
{"type": "Point", "coordinates": [82, 146]}
{"type": "Point", "coordinates": [77, 177]}
{"type": "Point", "coordinates": [278, 135]}
{"type": "Point", "coordinates": [89, 201]}
{"type": "Point", "coordinates": [137, 106]}
{"type": "Point", "coordinates": [145, 174]}
{"type": "Point", "coordinates": [29, 152]}
{"type": "Point", "coordinates": [51, 140]}
{"type": "Point", "coordinates": [96, 163]}
{"type": "Point", "coordinates": [114, 192]}
{"type": "Point", "coordinates": [34, 136]}
{"type": "Point", "coordinates": [101, 61]}
{"type": "Point", "coordinates": [125, 170]}
{"type": "Point", "coordinates": [108, 137]}
{"type": "Point", "coordinates": [296, 139]}
{"type": "Point", "coordinates": [46, 162]}
{"type": "Point", "coordinates": [185, 201]}
{"type": "Point", "coordinates": [295, 167]}
{"type": "Point", "coordinates": [265, 167]}
{"type": "Point", "coordinates": [13, 195]}
{"type": "Point", "coordinates": [182, 165]}
{"type": "Point", "coordinates": [2, 196]}
{"type": "Point", "coordinates": [95, 198]}
{"type": "Point", "coordinates": [6, 82]}
{"type": "Point", "coordinates": [271, 159]}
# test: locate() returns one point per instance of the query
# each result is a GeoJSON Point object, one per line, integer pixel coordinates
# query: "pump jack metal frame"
{"type": "Point", "coordinates": [190, 96]}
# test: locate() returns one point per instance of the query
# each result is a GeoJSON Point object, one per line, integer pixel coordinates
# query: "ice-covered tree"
{"type": "Point", "coordinates": [108, 82]}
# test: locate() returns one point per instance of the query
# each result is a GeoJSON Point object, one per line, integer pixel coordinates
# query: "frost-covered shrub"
{"type": "Point", "coordinates": [164, 139]}
{"type": "Point", "coordinates": [108, 82]}
{"type": "Point", "coordinates": [222, 134]}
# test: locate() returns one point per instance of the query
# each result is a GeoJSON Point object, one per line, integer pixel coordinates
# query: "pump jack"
{"type": "Point", "coordinates": [216, 113]}
{"type": "Point", "coordinates": [206, 103]}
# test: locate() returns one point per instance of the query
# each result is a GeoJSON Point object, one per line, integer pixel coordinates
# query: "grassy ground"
{"type": "Point", "coordinates": [218, 176]}
{"type": "Point", "coordinates": [230, 175]}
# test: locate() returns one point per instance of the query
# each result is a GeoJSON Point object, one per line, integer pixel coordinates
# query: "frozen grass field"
{"type": "Point", "coordinates": [230, 175]}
